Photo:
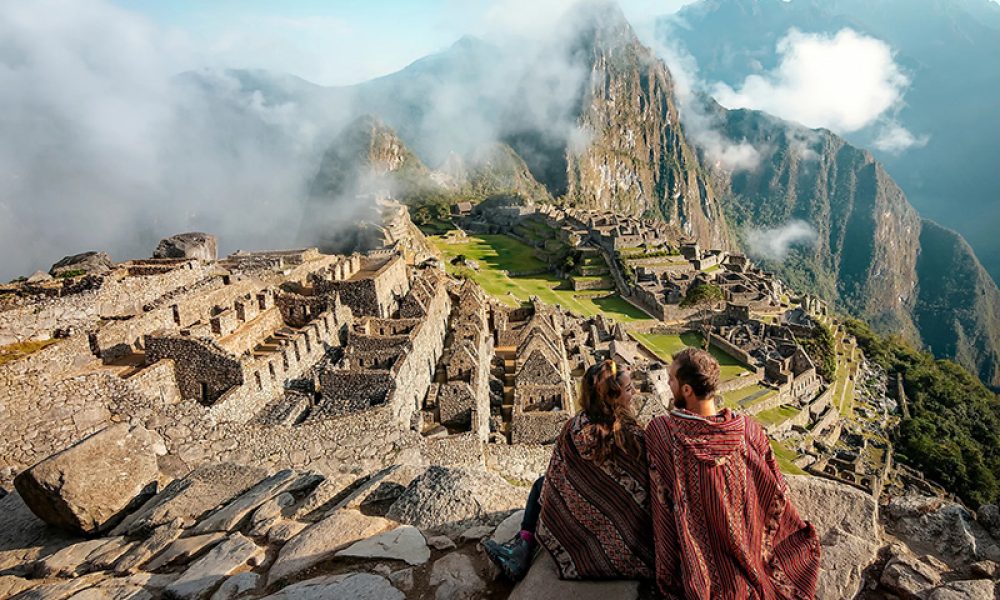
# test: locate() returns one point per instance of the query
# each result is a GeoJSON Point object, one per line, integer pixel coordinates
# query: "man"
{"type": "Point", "coordinates": [723, 527]}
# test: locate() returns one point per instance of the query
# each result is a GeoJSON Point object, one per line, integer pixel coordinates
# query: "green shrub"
{"type": "Point", "coordinates": [703, 295]}
{"type": "Point", "coordinates": [953, 432]}
{"type": "Point", "coordinates": [821, 348]}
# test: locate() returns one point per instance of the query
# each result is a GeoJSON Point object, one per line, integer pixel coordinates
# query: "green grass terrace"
{"type": "Point", "coordinates": [784, 457]}
{"type": "Point", "coordinates": [499, 255]}
{"type": "Point", "coordinates": [665, 345]}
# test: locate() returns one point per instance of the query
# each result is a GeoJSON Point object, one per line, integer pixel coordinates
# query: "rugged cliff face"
{"type": "Point", "coordinates": [636, 159]}
{"type": "Point", "coordinates": [590, 113]}
{"type": "Point", "coordinates": [873, 254]}
{"type": "Point", "coordinates": [493, 170]}
{"type": "Point", "coordinates": [958, 306]}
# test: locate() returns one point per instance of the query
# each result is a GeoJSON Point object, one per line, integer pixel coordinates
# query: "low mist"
{"type": "Point", "coordinates": [774, 243]}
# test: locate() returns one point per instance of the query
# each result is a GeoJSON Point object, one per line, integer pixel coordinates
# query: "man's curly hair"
{"type": "Point", "coordinates": [698, 369]}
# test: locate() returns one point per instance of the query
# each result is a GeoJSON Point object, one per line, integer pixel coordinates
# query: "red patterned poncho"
{"type": "Point", "coordinates": [595, 517]}
{"type": "Point", "coordinates": [724, 528]}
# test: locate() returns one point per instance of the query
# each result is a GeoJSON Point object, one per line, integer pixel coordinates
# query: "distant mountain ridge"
{"type": "Point", "coordinates": [875, 258]}
{"type": "Point", "coordinates": [873, 254]}
{"type": "Point", "coordinates": [950, 50]}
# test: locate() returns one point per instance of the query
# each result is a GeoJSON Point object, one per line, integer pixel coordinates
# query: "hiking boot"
{"type": "Point", "coordinates": [513, 557]}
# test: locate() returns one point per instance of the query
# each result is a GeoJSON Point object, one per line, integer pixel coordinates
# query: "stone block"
{"type": "Point", "coordinates": [91, 485]}
{"type": "Point", "coordinates": [191, 497]}
{"type": "Point", "coordinates": [362, 586]}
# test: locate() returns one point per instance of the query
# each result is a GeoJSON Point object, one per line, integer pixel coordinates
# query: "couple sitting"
{"type": "Point", "coordinates": [696, 500]}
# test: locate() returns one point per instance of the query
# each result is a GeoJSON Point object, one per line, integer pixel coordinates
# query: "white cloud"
{"type": "Point", "coordinates": [103, 148]}
{"type": "Point", "coordinates": [894, 138]}
{"type": "Point", "coordinates": [774, 243]}
{"type": "Point", "coordinates": [843, 82]}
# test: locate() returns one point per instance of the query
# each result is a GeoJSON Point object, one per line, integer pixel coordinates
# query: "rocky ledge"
{"type": "Point", "coordinates": [227, 531]}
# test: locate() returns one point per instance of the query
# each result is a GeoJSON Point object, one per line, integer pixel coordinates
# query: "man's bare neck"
{"type": "Point", "coordinates": [703, 408]}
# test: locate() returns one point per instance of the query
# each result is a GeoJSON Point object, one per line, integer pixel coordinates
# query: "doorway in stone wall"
{"type": "Point", "coordinates": [204, 393]}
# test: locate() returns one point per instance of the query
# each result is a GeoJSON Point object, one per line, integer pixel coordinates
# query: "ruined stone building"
{"type": "Point", "coordinates": [531, 339]}
{"type": "Point", "coordinates": [388, 359]}
{"type": "Point", "coordinates": [459, 400]}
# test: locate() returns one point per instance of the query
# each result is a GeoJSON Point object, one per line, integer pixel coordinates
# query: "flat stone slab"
{"type": "Point", "coordinates": [229, 516]}
{"type": "Point", "coordinates": [61, 589]}
{"type": "Point", "coordinates": [104, 558]}
{"type": "Point", "coordinates": [474, 534]}
{"type": "Point", "coordinates": [321, 541]}
{"type": "Point", "coordinates": [87, 487]}
{"type": "Point", "coordinates": [114, 589]}
{"type": "Point", "coordinates": [973, 589]}
{"type": "Point", "coordinates": [543, 581]}
{"type": "Point", "coordinates": [356, 586]}
{"type": "Point", "coordinates": [150, 547]}
{"type": "Point", "coordinates": [404, 543]}
{"type": "Point", "coordinates": [23, 537]}
{"type": "Point", "coordinates": [10, 585]}
{"type": "Point", "coordinates": [191, 497]}
{"type": "Point", "coordinates": [207, 572]}
{"type": "Point", "coordinates": [237, 586]}
{"type": "Point", "coordinates": [70, 560]}
{"type": "Point", "coordinates": [183, 549]}
{"type": "Point", "coordinates": [456, 578]}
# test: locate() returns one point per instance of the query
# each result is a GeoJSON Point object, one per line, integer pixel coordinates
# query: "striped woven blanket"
{"type": "Point", "coordinates": [595, 519]}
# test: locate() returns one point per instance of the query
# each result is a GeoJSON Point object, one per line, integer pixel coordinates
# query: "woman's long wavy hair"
{"type": "Point", "coordinates": [612, 420]}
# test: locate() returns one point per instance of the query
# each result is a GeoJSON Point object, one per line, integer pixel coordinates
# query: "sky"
{"type": "Point", "coordinates": [345, 41]}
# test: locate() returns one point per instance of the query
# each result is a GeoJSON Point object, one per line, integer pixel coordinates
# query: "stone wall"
{"type": "Point", "coordinates": [737, 383]}
{"type": "Point", "coordinates": [348, 392]}
{"type": "Point", "coordinates": [522, 462]}
{"type": "Point", "coordinates": [266, 374]}
{"type": "Point", "coordinates": [460, 450]}
{"type": "Point", "coordinates": [737, 353]}
{"type": "Point", "coordinates": [536, 427]}
{"type": "Point", "coordinates": [158, 382]}
{"type": "Point", "coordinates": [418, 367]}
{"type": "Point", "coordinates": [204, 370]}
{"type": "Point", "coordinates": [120, 294]}
{"type": "Point", "coordinates": [247, 335]}
{"type": "Point", "coordinates": [41, 421]}
{"type": "Point", "coordinates": [827, 421]}
{"type": "Point", "coordinates": [372, 294]}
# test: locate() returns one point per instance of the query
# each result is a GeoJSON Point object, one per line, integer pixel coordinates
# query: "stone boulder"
{"type": "Point", "coordinates": [202, 246]}
{"type": "Point", "coordinates": [456, 498]}
{"type": "Point", "coordinates": [947, 530]}
{"type": "Point", "coordinates": [193, 496]}
{"type": "Point", "coordinates": [846, 520]}
{"type": "Point", "coordinates": [88, 262]}
{"type": "Point", "coordinates": [976, 589]}
{"type": "Point", "coordinates": [89, 486]}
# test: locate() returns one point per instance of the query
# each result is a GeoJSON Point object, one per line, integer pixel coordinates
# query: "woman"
{"type": "Point", "coordinates": [591, 509]}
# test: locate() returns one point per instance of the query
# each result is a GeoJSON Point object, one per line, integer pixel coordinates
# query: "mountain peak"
{"type": "Point", "coordinates": [601, 20]}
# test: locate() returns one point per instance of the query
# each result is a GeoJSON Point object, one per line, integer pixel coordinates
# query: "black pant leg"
{"type": "Point", "coordinates": [533, 508]}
